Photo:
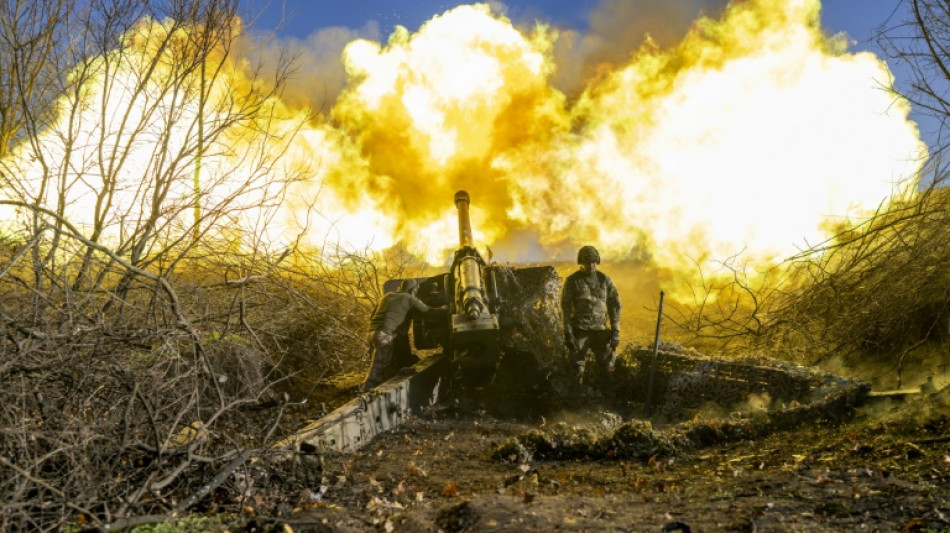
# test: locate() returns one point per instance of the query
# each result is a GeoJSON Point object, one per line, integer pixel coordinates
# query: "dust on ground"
{"type": "Point", "coordinates": [887, 469]}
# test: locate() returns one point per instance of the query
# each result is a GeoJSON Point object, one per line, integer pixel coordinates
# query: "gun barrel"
{"type": "Point", "coordinates": [470, 294]}
{"type": "Point", "coordinates": [475, 339]}
{"type": "Point", "coordinates": [465, 224]}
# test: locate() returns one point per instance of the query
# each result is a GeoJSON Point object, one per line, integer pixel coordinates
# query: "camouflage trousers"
{"type": "Point", "coordinates": [598, 343]}
{"type": "Point", "coordinates": [381, 355]}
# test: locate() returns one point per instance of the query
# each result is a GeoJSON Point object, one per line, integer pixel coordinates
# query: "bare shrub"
{"type": "Point", "coordinates": [877, 292]}
{"type": "Point", "coordinates": [330, 295]}
{"type": "Point", "coordinates": [143, 313]}
{"type": "Point", "coordinates": [871, 296]}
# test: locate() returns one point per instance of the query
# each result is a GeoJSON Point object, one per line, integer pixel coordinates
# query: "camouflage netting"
{"type": "Point", "coordinates": [686, 380]}
{"type": "Point", "coordinates": [533, 361]}
{"type": "Point", "coordinates": [531, 312]}
{"type": "Point", "coordinates": [801, 395]}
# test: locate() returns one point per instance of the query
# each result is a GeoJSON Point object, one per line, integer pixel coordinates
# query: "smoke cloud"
{"type": "Point", "coordinates": [616, 29]}
{"type": "Point", "coordinates": [682, 132]}
{"type": "Point", "coordinates": [742, 131]}
{"type": "Point", "coordinates": [319, 75]}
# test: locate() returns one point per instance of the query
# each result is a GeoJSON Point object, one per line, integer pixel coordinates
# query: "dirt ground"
{"type": "Point", "coordinates": [887, 469]}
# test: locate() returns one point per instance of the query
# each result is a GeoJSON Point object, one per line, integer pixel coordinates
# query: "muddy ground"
{"type": "Point", "coordinates": [886, 469]}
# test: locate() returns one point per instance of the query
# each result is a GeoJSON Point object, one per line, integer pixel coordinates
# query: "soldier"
{"type": "Point", "coordinates": [588, 301]}
{"type": "Point", "coordinates": [391, 319]}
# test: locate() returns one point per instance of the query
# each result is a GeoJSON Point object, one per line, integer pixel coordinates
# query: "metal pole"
{"type": "Point", "coordinates": [656, 347]}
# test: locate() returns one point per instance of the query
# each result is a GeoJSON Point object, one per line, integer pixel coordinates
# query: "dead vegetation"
{"type": "Point", "coordinates": [152, 339]}
{"type": "Point", "coordinates": [873, 296]}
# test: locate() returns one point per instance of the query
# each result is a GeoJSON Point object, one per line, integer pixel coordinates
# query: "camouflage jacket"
{"type": "Point", "coordinates": [589, 300]}
{"type": "Point", "coordinates": [393, 310]}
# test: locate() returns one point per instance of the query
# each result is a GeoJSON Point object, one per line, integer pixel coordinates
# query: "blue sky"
{"type": "Point", "coordinates": [858, 18]}
{"type": "Point", "coordinates": [302, 17]}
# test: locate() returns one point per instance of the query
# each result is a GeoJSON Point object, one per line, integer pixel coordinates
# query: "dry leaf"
{"type": "Point", "coordinates": [450, 490]}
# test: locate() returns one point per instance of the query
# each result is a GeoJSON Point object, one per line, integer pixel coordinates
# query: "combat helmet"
{"type": "Point", "coordinates": [588, 254]}
{"type": "Point", "coordinates": [408, 285]}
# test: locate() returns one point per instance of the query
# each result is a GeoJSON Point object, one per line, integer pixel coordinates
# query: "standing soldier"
{"type": "Point", "coordinates": [390, 319]}
{"type": "Point", "coordinates": [588, 301]}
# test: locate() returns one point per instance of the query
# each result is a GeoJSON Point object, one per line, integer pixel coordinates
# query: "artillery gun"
{"type": "Point", "coordinates": [500, 347]}
{"type": "Point", "coordinates": [484, 311]}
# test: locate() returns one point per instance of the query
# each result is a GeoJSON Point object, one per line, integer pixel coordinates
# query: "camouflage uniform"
{"type": "Point", "coordinates": [388, 326]}
{"type": "Point", "coordinates": [588, 302]}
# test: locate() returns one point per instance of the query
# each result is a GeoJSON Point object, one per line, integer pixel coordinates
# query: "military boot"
{"type": "Point", "coordinates": [577, 380]}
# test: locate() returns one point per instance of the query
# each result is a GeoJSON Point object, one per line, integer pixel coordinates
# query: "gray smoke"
{"type": "Point", "coordinates": [616, 29]}
{"type": "Point", "coordinates": [318, 74]}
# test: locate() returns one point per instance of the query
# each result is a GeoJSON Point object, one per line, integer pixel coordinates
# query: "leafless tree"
{"type": "Point", "coordinates": [916, 37]}
{"type": "Point", "coordinates": [145, 307]}
{"type": "Point", "coordinates": [33, 37]}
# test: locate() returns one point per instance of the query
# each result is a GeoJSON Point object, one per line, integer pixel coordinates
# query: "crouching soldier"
{"type": "Point", "coordinates": [389, 322]}
{"type": "Point", "coordinates": [591, 307]}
